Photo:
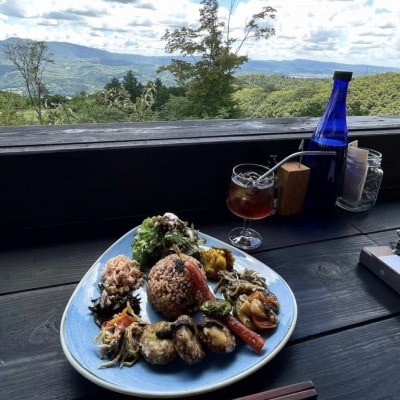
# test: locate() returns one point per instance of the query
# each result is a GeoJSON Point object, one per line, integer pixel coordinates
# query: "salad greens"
{"type": "Point", "coordinates": [156, 236]}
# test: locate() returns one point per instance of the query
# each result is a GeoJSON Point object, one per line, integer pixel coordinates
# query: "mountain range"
{"type": "Point", "coordinates": [79, 68]}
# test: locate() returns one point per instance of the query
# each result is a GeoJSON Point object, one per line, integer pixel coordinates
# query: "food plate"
{"type": "Point", "coordinates": [215, 371]}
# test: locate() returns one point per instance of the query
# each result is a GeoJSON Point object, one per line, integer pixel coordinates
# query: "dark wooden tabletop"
{"type": "Point", "coordinates": [347, 337]}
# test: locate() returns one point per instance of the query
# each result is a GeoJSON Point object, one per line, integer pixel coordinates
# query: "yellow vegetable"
{"type": "Point", "coordinates": [216, 259]}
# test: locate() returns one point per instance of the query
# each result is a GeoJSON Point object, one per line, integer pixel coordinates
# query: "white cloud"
{"type": "Point", "coordinates": [351, 31]}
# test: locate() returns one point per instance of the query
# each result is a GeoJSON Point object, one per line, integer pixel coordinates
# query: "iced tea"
{"type": "Point", "coordinates": [247, 197]}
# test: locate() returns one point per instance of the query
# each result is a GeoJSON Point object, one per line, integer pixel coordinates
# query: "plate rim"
{"type": "Point", "coordinates": [88, 374]}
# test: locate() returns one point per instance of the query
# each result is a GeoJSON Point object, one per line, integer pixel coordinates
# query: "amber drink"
{"type": "Point", "coordinates": [249, 197]}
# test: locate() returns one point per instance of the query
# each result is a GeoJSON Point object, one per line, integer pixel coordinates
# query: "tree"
{"type": "Point", "coordinates": [209, 73]}
{"type": "Point", "coordinates": [30, 58]}
{"type": "Point", "coordinates": [10, 105]}
{"type": "Point", "coordinates": [113, 84]}
{"type": "Point", "coordinates": [164, 93]}
{"type": "Point", "coordinates": [119, 99]}
{"type": "Point", "coordinates": [132, 86]}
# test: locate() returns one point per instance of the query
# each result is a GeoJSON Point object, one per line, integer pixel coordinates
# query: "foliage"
{"type": "Point", "coordinates": [87, 109]}
{"type": "Point", "coordinates": [118, 98]}
{"type": "Point", "coordinates": [113, 84]}
{"type": "Point", "coordinates": [176, 108]}
{"type": "Point", "coordinates": [257, 96]}
{"type": "Point", "coordinates": [212, 60]}
{"type": "Point", "coordinates": [11, 106]}
{"type": "Point", "coordinates": [30, 58]}
{"type": "Point", "coordinates": [262, 96]}
{"type": "Point", "coordinates": [132, 86]}
{"type": "Point", "coordinates": [375, 94]}
{"type": "Point", "coordinates": [142, 109]}
{"type": "Point", "coordinates": [163, 94]}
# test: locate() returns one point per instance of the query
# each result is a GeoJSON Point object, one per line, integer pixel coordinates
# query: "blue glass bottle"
{"type": "Point", "coordinates": [330, 134]}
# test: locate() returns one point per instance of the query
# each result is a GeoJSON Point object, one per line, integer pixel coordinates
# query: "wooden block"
{"type": "Point", "coordinates": [293, 182]}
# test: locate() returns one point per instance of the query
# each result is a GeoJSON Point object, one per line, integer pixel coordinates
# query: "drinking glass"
{"type": "Point", "coordinates": [249, 198]}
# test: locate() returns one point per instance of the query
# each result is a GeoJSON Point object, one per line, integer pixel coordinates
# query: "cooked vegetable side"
{"type": "Point", "coordinates": [157, 349]}
{"type": "Point", "coordinates": [253, 339]}
{"type": "Point", "coordinates": [253, 304]}
{"type": "Point", "coordinates": [119, 339]}
{"type": "Point", "coordinates": [216, 259]}
{"type": "Point", "coordinates": [216, 336]}
{"type": "Point", "coordinates": [178, 290]}
{"type": "Point", "coordinates": [186, 340]}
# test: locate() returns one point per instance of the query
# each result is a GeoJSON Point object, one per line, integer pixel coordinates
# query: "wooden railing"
{"type": "Point", "coordinates": [90, 175]}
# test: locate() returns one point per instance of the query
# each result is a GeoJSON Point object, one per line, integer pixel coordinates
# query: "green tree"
{"type": "Point", "coordinates": [11, 105]}
{"type": "Point", "coordinates": [113, 84]}
{"type": "Point", "coordinates": [30, 57]}
{"type": "Point", "coordinates": [132, 86]}
{"type": "Point", "coordinates": [163, 94]}
{"type": "Point", "coordinates": [209, 72]}
{"type": "Point", "coordinates": [176, 108]}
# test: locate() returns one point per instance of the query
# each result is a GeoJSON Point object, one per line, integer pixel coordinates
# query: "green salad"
{"type": "Point", "coordinates": [156, 236]}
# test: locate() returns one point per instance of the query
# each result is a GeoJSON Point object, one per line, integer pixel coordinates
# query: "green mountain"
{"type": "Point", "coordinates": [79, 68]}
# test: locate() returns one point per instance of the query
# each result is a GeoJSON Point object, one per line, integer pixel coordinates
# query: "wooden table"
{"type": "Point", "coordinates": [347, 337]}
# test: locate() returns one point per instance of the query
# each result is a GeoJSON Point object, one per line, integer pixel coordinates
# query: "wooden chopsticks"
{"type": "Point", "coordinates": [296, 391]}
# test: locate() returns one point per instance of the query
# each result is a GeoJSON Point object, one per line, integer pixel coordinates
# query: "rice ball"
{"type": "Point", "coordinates": [170, 289]}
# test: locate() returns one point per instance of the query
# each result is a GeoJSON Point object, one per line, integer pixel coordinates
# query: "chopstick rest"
{"type": "Point", "coordinates": [296, 391]}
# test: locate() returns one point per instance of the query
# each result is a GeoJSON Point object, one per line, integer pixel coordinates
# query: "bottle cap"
{"type": "Point", "coordinates": [344, 76]}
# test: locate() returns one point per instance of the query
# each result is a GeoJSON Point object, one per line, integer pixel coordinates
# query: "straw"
{"type": "Point", "coordinates": [299, 153]}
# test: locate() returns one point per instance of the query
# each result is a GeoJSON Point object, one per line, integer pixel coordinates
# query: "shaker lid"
{"type": "Point", "coordinates": [344, 76]}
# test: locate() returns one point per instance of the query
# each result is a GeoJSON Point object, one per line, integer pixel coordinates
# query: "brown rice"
{"type": "Point", "coordinates": [170, 289]}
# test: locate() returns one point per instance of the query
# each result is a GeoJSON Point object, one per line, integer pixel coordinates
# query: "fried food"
{"type": "Point", "coordinates": [156, 348]}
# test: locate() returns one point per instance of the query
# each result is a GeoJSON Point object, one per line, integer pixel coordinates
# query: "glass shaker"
{"type": "Point", "coordinates": [361, 182]}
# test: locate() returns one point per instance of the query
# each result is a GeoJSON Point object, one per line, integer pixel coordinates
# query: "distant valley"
{"type": "Point", "coordinates": [78, 68]}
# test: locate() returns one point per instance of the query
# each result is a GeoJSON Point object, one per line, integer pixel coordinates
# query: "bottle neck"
{"type": "Point", "coordinates": [336, 107]}
{"type": "Point", "coordinates": [332, 127]}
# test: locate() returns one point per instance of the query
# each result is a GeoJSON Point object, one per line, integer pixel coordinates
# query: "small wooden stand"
{"type": "Point", "coordinates": [293, 181]}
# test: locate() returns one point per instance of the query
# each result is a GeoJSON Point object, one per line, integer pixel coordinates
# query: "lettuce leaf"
{"type": "Point", "coordinates": [156, 236]}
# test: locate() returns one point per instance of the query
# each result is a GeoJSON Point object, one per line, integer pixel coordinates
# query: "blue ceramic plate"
{"type": "Point", "coordinates": [176, 379]}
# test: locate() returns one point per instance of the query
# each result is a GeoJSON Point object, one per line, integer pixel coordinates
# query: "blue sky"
{"type": "Point", "coordinates": [350, 31]}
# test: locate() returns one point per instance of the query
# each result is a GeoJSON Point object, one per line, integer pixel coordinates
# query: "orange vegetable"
{"type": "Point", "coordinates": [123, 319]}
{"type": "Point", "coordinates": [253, 339]}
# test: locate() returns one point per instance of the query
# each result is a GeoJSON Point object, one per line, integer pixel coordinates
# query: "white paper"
{"type": "Point", "coordinates": [354, 175]}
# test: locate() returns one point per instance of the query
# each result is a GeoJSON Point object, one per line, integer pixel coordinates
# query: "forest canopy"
{"type": "Point", "coordinates": [262, 96]}
{"type": "Point", "coordinates": [256, 95]}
